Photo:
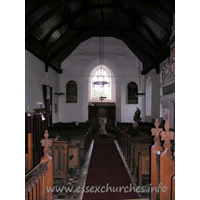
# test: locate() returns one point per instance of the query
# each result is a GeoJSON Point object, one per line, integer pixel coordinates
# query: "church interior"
{"type": "Point", "coordinates": [93, 69]}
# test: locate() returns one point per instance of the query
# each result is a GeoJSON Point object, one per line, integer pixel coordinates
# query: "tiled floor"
{"type": "Point", "coordinates": [68, 189]}
{"type": "Point", "coordinates": [71, 189]}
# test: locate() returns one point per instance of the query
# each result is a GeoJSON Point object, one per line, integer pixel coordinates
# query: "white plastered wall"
{"type": "Point", "coordinates": [78, 66]}
{"type": "Point", "coordinates": [35, 76]}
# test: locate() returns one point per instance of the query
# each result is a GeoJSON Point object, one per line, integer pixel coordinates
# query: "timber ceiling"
{"type": "Point", "coordinates": [54, 28]}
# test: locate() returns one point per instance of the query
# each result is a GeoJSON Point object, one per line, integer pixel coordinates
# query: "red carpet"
{"type": "Point", "coordinates": [106, 170]}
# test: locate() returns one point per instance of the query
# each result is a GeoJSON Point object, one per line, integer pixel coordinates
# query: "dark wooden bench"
{"type": "Point", "coordinates": [79, 137]}
{"type": "Point", "coordinates": [143, 167]}
{"type": "Point", "coordinates": [139, 149]}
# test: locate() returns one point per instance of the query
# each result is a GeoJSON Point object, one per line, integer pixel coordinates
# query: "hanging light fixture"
{"type": "Point", "coordinates": [101, 62]}
{"type": "Point", "coordinates": [140, 93]}
{"type": "Point", "coordinates": [59, 92]}
{"type": "Point", "coordinates": [101, 82]}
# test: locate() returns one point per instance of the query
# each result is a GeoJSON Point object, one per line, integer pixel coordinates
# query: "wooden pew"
{"type": "Point", "coordinates": [139, 149]}
{"type": "Point", "coordinates": [124, 141]}
{"type": "Point", "coordinates": [76, 137]}
{"type": "Point", "coordinates": [119, 128]}
{"type": "Point", "coordinates": [124, 147]}
{"type": "Point", "coordinates": [79, 139]}
{"type": "Point", "coordinates": [167, 163]}
{"type": "Point", "coordinates": [74, 158]}
{"type": "Point", "coordinates": [40, 177]}
{"type": "Point", "coordinates": [60, 155]}
{"type": "Point", "coordinates": [155, 148]}
{"type": "Point", "coordinates": [29, 155]}
{"type": "Point", "coordinates": [121, 140]}
{"type": "Point", "coordinates": [144, 142]}
{"type": "Point", "coordinates": [143, 167]}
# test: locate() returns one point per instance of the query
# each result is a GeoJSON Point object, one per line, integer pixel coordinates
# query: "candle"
{"type": "Point", "coordinates": [27, 108]}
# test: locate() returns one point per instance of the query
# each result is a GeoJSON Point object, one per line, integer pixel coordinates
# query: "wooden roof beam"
{"type": "Point", "coordinates": [63, 46]}
{"type": "Point", "coordinates": [47, 16]}
{"type": "Point", "coordinates": [142, 9]}
{"type": "Point", "coordinates": [154, 66]}
{"type": "Point", "coordinates": [164, 9]}
{"type": "Point", "coordinates": [35, 8]}
{"type": "Point", "coordinates": [141, 50]}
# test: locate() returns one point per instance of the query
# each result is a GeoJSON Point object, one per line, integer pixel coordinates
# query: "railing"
{"type": "Point", "coordinates": [39, 181]}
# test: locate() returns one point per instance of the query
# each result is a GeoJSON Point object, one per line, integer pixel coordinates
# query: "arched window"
{"type": "Point", "coordinates": [132, 90]}
{"type": "Point", "coordinates": [148, 96]}
{"type": "Point", "coordinates": [71, 92]}
{"type": "Point", "coordinates": [100, 83]}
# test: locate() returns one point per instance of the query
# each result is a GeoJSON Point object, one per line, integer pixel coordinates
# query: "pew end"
{"type": "Point", "coordinates": [143, 168]}
{"type": "Point", "coordinates": [74, 163]}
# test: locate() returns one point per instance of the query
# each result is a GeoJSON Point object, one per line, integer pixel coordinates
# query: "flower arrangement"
{"type": "Point", "coordinates": [136, 117]}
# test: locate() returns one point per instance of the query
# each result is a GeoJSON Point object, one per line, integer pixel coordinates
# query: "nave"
{"type": "Point", "coordinates": [107, 167]}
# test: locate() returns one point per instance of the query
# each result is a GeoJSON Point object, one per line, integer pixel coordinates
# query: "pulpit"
{"type": "Point", "coordinates": [102, 123]}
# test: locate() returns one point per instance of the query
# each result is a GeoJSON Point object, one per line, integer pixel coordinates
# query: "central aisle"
{"type": "Point", "coordinates": [107, 172]}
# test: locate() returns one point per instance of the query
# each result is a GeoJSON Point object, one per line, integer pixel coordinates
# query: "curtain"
{"type": "Point", "coordinates": [39, 127]}
{"type": "Point", "coordinates": [27, 127]}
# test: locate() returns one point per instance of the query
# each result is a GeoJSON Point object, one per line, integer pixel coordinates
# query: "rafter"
{"type": "Point", "coordinates": [149, 31]}
{"type": "Point", "coordinates": [45, 17]}
{"type": "Point", "coordinates": [163, 8]}
{"type": "Point", "coordinates": [35, 44]}
{"type": "Point", "coordinates": [70, 24]}
{"type": "Point", "coordinates": [35, 8]}
{"type": "Point", "coordinates": [154, 41]}
{"type": "Point", "coordinates": [141, 50]}
{"type": "Point", "coordinates": [153, 66]}
{"type": "Point", "coordinates": [63, 46]}
{"type": "Point", "coordinates": [84, 11]}
{"type": "Point", "coordinates": [168, 7]}
{"type": "Point", "coordinates": [142, 9]}
{"type": "Point", "coordinates": [142, 39]}
{"type": "Point", "coordinates": [134, 33]}
{"type": "Point", "coordinates": [43, 58]}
